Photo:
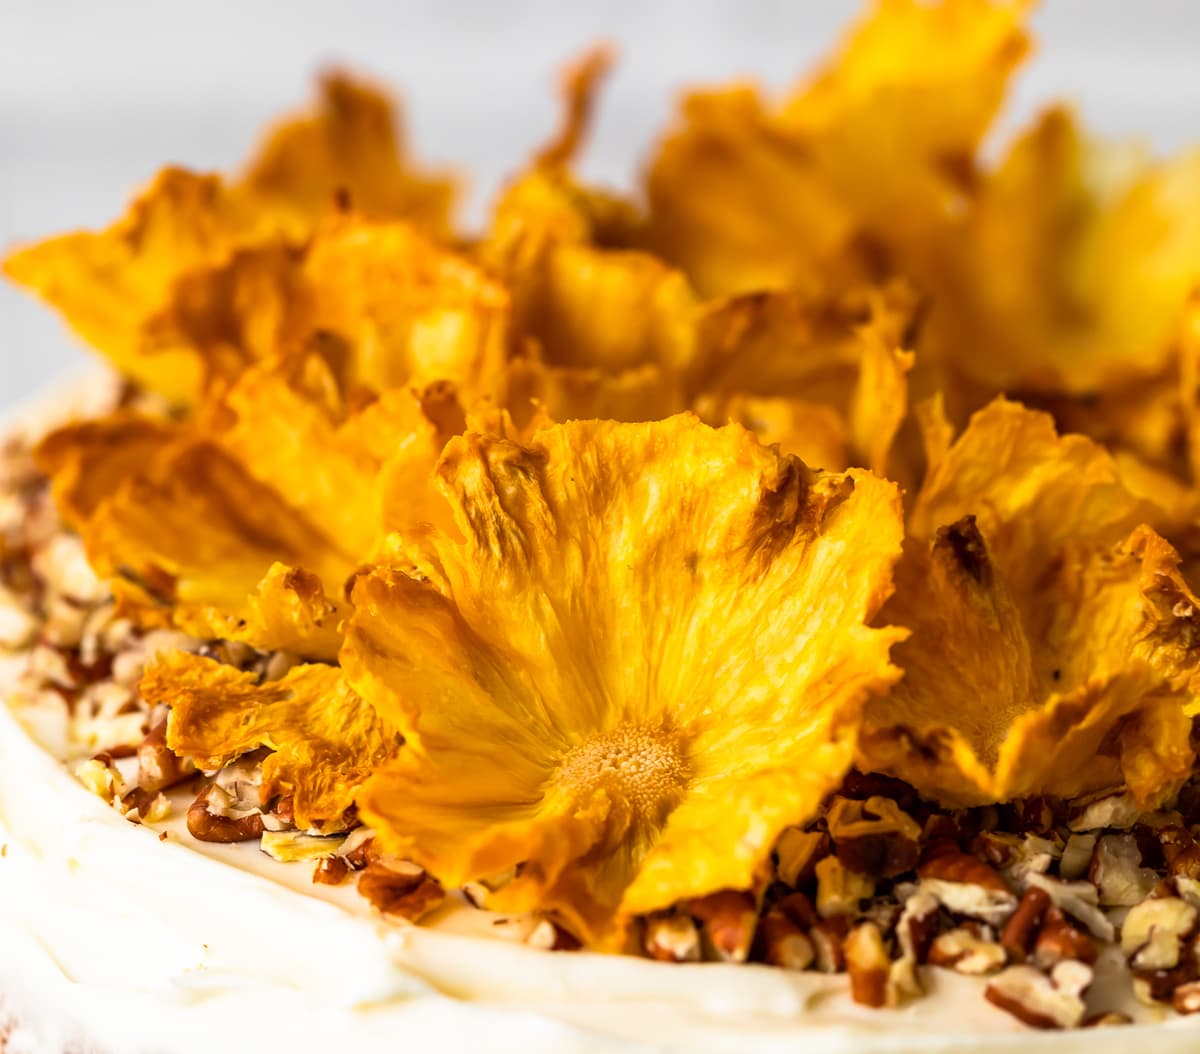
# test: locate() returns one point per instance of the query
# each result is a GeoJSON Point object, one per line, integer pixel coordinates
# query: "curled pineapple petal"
{"type": "Point", "coordinates": [247, 522]}
{"type": "Point", "coordinates": [199, 277]}
{"type": "Point", "coordinates": [324, 740]}
{"type": "Point", "coordinates": [1098, 272]}
{"type": "Point", "coordinates": [630, 615]}
{"type": "Point", "coordinates": [747, 195]}
{"type": "Point", "coordinates": [1054, 641]}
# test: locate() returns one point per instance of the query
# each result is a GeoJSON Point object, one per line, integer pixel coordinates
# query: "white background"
{"type": "Point", "coordinates": [97, 94]}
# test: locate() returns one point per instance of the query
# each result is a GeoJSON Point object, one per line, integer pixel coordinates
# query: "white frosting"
{"type": "Point", "coordinates": [138, 945]}
{"type": "Point", "coordinates": [112, 940]}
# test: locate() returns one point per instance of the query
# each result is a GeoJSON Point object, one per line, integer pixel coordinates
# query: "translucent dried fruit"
{"type": "Point", "coordinates": [1061, 627]}
{"type": "Point", "coordinates": [142, 291]}
{"type": "Point", "coordinates": [324, 739]}
{"type": "Point", "coordinates": [576, 672]}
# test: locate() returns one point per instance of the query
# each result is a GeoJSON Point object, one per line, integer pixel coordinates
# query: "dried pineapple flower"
{"type": "Point", "coordinates": [643, 658]}
{"type": "Point", "coordinates": [187, 235]}
{"type": "Point", "coordinates": [827, 381]}
{"type": "Point", "coordinates": [325, 740]}
{"type": "Point", "coordinates": [246, 523]}
{"type": "Point", "coordinates": [1087, 291]}
{"type": "Point", "coordinates": [1054, 642]}
{"type": "Point", "coordinates": [847, 178]}
{"type": "Point", "coordinates": [379, 300]}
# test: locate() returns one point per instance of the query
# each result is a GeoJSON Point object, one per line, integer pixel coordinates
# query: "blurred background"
{"type": "Point", "coordinates": [95, 96]}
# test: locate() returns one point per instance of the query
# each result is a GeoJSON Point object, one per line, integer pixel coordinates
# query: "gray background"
{"type": "Point", "coordinates": [97, 94]}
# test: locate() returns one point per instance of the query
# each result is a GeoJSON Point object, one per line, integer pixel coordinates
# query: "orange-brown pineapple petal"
{"type": "Point", "coordinates": [325, 740]}
{"type": "Point", "coordinates": [632, 615]}
{"type": "Point", "coordinates": [1052, 646]}
{"type": "Point", "coordinates": [747, 196]}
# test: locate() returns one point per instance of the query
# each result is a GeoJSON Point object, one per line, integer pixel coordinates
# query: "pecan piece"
{"type": "Point", "coordinates": [967, 886]}
{"type": "Point", "coordinates": [840, 891]}
{"type": "Point", "coordinates": [874, 837]}
{"type": "Point", "coordinates": [1117, 873]}
{"type": "Point", "coordinates": [868, 964]}
{"type": "Point", "coordinates": [828, 940]}
{"type": "Point", "coordinates": [158, 766]}
{"type": "Point", "coordinates": [797, 853]}
{"type": "Point", "coordinates": [208, 824]}
{"type": "Point", "coordinates": [1058, 941]}
{"type": "Point", "coordinates": [1077, 856]}
{"type": "Point", "coordinates": [965, 952]}
{"type": "Point", "coordinates": [331, 871]}
{"type": "Point", "coordinates": [784, 943]}
{"type": "Point", "coordinates": [1186, 998]}
{"type": "Point", "coordinates": [727, 920]}
{"type": "Point", "coordinates": [1153, 932]}
{"type": "Point", "coordinates": [1021, 930]}
{"type": "Point", "coordinates": [1041, 1001]}
{"type": "Point", "coordinates": [672, 938]}
{"type": "Point", "coordinates": [400, 889]}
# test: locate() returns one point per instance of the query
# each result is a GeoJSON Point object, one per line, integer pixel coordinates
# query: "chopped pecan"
{"type": "Point", "coordinates": [1117, 874]}
{"type": "Point", "coordinates": [1186, 998]}
{"type": "Point", "coordinates": [864, 785]}
{"type": "Point", "coordinates": [1111, 811]}
{"type": "Point", "coordinates": [1036, 815]}
{"type": "Point", "coordinates": [797, 853]}
{"type": "Point", "coordinates": [360, 849]}
{"type": "Point", "coordinates": [672, 938]}
{"type": "Point", "coordinates": [727, 920]}
{"type": "Point", "coordinates": [962, 868]}
{"type": "Point", "coordinates": [400, 889]}
{"type": "Point", "coordinates": [548, 936]}
{"type": "Point", "coordinates": [1020, 932]}
{"type": "Point", "coordinates": [1080, 900]}
{"type": "Point", "coordinates": [1153, 932]}
{"type": "Point", "coordinates": [1058, 940]}
{"type": "Point", "coordinates": [917, 926]}
{"type": "Point", "coordinates": [965, 885]}
{"type": "Point", "coordinates": [783, 943]}
{"type": "Point", "coordinates": [331, 871]}
{"type": "Point", "coordinates": [158, 766]}
{"type": "Point", "coordinates": [1077, 856]}
{"type": "Point", "coordinates": [963, 951]}
{"type": "Point", "coordinates": [868, 964]}
{"type": "Point", "coordinates": [828, 940]}
{"type": "Point", "coordinates": [874, 837]}
{"type": "Point", "coordinates": [1041, 1001]}
{"type": "Point", "coordinates": [208, 822]}
{"type": "Point", "coordinates": [840, 891]}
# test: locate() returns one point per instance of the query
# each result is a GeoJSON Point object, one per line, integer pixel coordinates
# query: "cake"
{"type": "Point", "coordinates": [751, 618]}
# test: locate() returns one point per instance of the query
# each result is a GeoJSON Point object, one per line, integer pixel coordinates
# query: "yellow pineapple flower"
{"type": "Point", "coordinates": [641, 656]}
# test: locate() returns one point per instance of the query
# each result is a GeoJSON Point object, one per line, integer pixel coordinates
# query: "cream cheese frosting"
{"type": "Point", "coordinates": [129, 940]}
{"type": "Point", "coordinates": [126, 939]}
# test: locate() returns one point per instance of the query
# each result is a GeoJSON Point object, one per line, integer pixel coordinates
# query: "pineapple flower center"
{"type": "Point", "coordinates": [641, 769]}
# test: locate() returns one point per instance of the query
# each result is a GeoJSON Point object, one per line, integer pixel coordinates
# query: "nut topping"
{"type": "Point", "coordinates": [727, 920]}
{"type": "Point", "coordinates": [961, 950]}
{"type": "Point", "coordinates": [1153, 932]}
{"type": "Point", "coordinates": [1058, 941]}
{"type": "Point", "coordinates": [399, 889]}
{"type": "Point", "coordinates": [1117, 873]}
{"type": "Point", "coordinates": [209, 819]}
{"type": "Point", "coordinates": [868, 964]}
{"type": "Point", "coordinates": [874, 837]}
{"type": "Point", "coordinates": [672, 938]}
{"type": "Point", "coordinates": [1041, 1001]}
{"type": "Point", "coordinates": [840, 891]}
{"type": "Point", "coordinates": [1021, 930]}
{"type": "Point", "coordinates": [797, 853]}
